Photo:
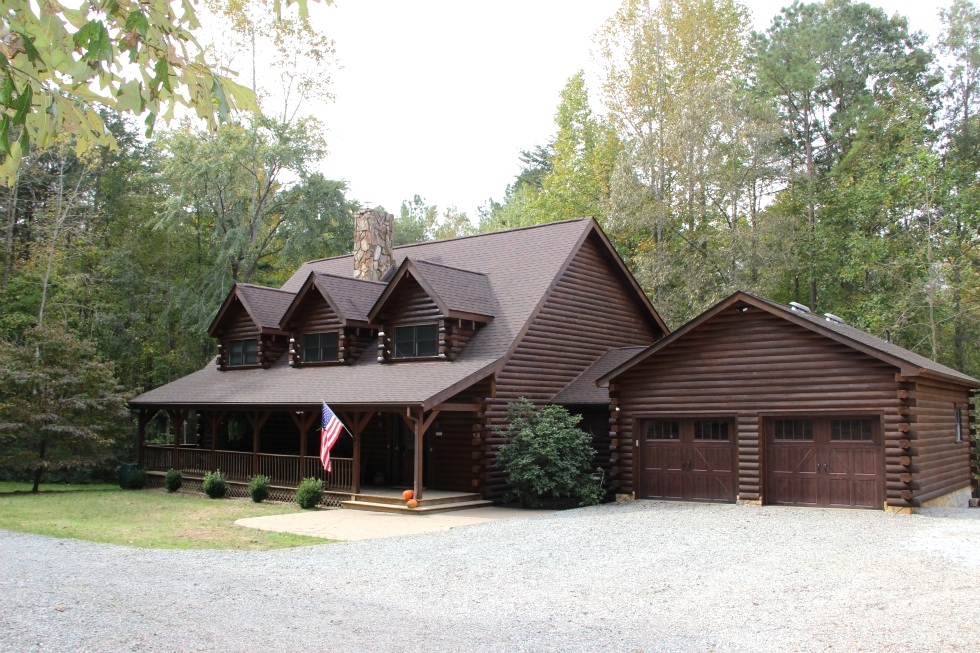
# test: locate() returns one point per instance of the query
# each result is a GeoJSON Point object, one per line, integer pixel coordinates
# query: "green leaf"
{"type": "Point", "coordinates": [219, 93]}
{"type": "Point", "coordinates": [7, 90]}
{"type": "Point", "coordinates": [151, 119]}
{"type": "Point", "coordinates": [93, 42]}
{"type": "Point", "coordinates": [161, 75]}
{"type": "Point", "coordinates": [32, 54]}
{"type": "Point", "coordinates": [129, 97]}
{"type": "Point", "coordinates": [136, 20]}
{"type": "Point", "coordinates": [23, 105]}
{"type": "Point", "coordinates": [5, 133]}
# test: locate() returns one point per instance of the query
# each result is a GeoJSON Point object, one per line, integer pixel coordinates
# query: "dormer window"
{"type": "Point", "coordinates": [320, 347]}
{"type": "Point", "coordinates": [416, 341]}
{"type": "Point", "coordinates": [242, 352]}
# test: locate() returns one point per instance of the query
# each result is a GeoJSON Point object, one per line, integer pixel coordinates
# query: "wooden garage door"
{"type": "Point", "coordinates": [834, 462]}
{"type": "Point", "coordinates": [689, 459]}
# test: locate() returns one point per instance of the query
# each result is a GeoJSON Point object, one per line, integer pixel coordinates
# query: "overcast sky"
{"type": "Point", "coordinates": [438, 98]}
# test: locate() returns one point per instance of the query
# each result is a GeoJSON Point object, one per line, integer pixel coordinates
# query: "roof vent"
{"type": "Point", "coordinates": [799, 307]}
{"type": "Point", "coordinates": [833, 318]}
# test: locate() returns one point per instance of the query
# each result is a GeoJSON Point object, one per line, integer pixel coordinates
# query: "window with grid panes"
{"type": "Point", "coordinates": [417, 340]}
{"type": "Point", "coordinates": [663, 430]}
{"type": "Point", "coordinates": [242, 352]}
{"type": "Point", "coordinates": [793, 429]}
{"type": "Point", "coordinates": [320, 347]}
{"type": "Point", "coordinates": [847, 430]}
{"type": "Point", "coordinates": [711, 430]}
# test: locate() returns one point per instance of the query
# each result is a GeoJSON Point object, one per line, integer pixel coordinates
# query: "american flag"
{"type": "Point", "coordinates": [329, 434]}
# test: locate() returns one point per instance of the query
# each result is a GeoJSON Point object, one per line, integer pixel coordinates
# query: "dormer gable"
{"type": "Point", "coordinates": [327, 319]}
{"type": "Point", "coordinates": [429, 310]}
{"type": "Point", "coordinates": [247, 326]}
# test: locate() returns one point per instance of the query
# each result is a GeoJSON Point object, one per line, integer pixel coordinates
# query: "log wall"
{"type": "Point", "coordinates": [588, 311]}
{"type": "Point", "coordinates": [940, 464]}
{"type": "Point", "coordinates": [750, 365]}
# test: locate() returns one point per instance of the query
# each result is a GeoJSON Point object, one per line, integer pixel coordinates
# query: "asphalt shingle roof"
{"type": "Point", "coordinates": [267, 305]}
{"type": "Point", "coordinates": [461, 290]}
{"type": "Point", "coordinates": [519, 265]}
{"type": "Point", "coordinates": [354, 297]}
{"type": "Point", "coordinates": [583, 390]}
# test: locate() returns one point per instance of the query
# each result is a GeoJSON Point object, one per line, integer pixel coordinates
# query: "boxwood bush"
{"type": "Point", "coordinates": [309, 493]}
{"type": "Point", "coordinates": [173, 480]}
{"type": "Point", "coordinates": [547, 458]}
{"type": "Point", "coordinates": [258, 488]}
{"type": "Point", "coordinates": [215, 485]}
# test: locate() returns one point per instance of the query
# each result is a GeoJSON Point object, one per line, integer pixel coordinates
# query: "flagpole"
{"type": "Point", "coordinates": [341, 423]}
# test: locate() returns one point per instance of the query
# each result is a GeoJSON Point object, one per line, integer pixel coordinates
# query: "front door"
{"type": "Point", "coordinates": [689, 459]}
{"type": "Point", "coordinates": [825, 461]}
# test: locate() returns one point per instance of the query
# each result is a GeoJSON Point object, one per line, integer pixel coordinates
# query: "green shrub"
{"type": "Point", "coordinates": [137, 478]}
{"type": "Point", "coordinates": [173, 480]}
{"type": "Point", "coordinates": [258, 488]}
{"type": "Point", "coordinates": [215, 485]}
{"type": "Point", "coordinates": [309, 493]}
{"type": "Point", "coordinates": [547, 458]}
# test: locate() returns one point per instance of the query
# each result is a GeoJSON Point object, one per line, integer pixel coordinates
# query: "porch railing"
{"type": "Point", "coordinates": [281, 469]}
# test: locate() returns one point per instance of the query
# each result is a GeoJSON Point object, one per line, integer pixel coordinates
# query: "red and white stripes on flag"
{"type": "Point", "coordinates": [329, 434]}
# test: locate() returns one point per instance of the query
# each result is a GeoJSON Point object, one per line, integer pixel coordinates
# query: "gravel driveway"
{"type": "Point", "coordinates": [644, 576]}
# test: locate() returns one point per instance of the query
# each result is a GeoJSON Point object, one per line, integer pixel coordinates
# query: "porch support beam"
{"type": "Point", "coordinates": [257, 419]}
{"type": "Point", "coordinates": [215, 418]}
{"type": "Point", "coordinates": [419, 451]}
{"type": "Point", "coordinates": [303, 419]}
{"type": "Point", "coordinates": [144, 417]}
{"type": "Point", "coordinates": [177, 419]}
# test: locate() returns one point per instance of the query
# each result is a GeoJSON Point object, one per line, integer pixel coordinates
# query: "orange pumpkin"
{"type": "Point", "coordinates": [412, 503]}
{"type": "Point", "coordinates": [408, 494]}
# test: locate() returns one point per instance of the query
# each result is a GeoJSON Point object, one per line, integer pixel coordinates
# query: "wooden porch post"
{"type": "Point", "coordinates": [359, 424]}
{"type": "Point", "coordinates": [141, 421]}
{"type": "Point", "coordinates": [215, 417]}
{"type": "Point", "coordinates": [258, 420]}
{"type": "Point", "coordinates": [419, 451]}
{"type": "Point", "coordinates": [177, 418]}
{"type": "Point", "coordinates": [303, 419]}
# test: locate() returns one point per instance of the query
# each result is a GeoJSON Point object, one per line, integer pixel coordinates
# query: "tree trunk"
{"type": "Point", "coordinates": [40, 468]}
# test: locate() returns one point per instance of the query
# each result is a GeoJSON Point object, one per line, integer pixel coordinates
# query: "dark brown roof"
{"type": "Point", "coordinates": [354, 297]}
{"type": "Point", "coordinates": [583, 390]}
{"type": "Point", "coordinates": [457, 292]}
{"type": "Point", "coordinates": [909, 363]}
{"type": "Point", "coordinates": [519, 265]}
{"type": "Point", "coordinates": [265, 306]}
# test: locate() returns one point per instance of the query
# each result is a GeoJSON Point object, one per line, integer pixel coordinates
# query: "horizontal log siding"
{"type": "Point", "coordinates": [456, 455]}
{"type": "Point", "coordinates": [236, 324]}
{"type": "Point", "coordinates": [589, 311]}
{"type": "Point", "coordinates": [750, 365]}
{"type": "Point", "coordinates": [940, 464]}
{"type": "Point", "coordinates": [409, 304]}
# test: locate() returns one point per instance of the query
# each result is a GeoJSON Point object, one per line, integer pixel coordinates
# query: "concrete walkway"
{"type": "Point", "coordinates": [341, 524]}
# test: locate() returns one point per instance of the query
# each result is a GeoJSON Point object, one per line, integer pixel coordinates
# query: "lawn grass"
{"type": "Point", "coordinates": [8, 486]}
{"type": "Point", "coordinates": [146, 518]}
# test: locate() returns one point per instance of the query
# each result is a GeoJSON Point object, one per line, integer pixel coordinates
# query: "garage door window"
{"type": "Point", "coordinates": [663, 430]}
{"type": "Point", "coordinates": [793, 429]}
{"type": "Point", "coordinates": [715, 430]}
{"type": "Point", "coordinates": [850, 430]}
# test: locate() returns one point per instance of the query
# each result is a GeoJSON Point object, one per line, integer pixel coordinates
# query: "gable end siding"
{"type": "Point", "coordinates": [588, 311]}
{"type": "Point", "coordinates": [409, 303]}
{"type": "Point", "coordinates": [237, 324]}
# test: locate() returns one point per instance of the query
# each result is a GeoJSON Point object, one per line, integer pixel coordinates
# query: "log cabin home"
{"type": "Point", "coordinates": [765, 403]}
{"type": "Point", "coordinates": [420, 348]}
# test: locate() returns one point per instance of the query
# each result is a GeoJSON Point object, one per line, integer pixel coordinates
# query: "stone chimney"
{"type": "Point", "coordinates": [372, 244]}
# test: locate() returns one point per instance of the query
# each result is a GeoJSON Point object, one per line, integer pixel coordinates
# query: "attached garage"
{"type": "Point", "coordinates": [833, 461]}
{"type": "Point", "coordinates": [759, 402]}
{"type": "Point", "coordinates": [689, 459]}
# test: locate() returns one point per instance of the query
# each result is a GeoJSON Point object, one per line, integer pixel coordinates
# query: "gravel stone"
{"type": "Point", "coordinates": [639, 576]}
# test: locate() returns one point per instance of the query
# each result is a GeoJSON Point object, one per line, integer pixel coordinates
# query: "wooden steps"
{"type": "Point", "coordinates": [427, 506]}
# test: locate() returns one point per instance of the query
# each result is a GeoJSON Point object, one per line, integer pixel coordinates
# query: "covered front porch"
{"type": "Point", "coordinates": [383, 448]}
